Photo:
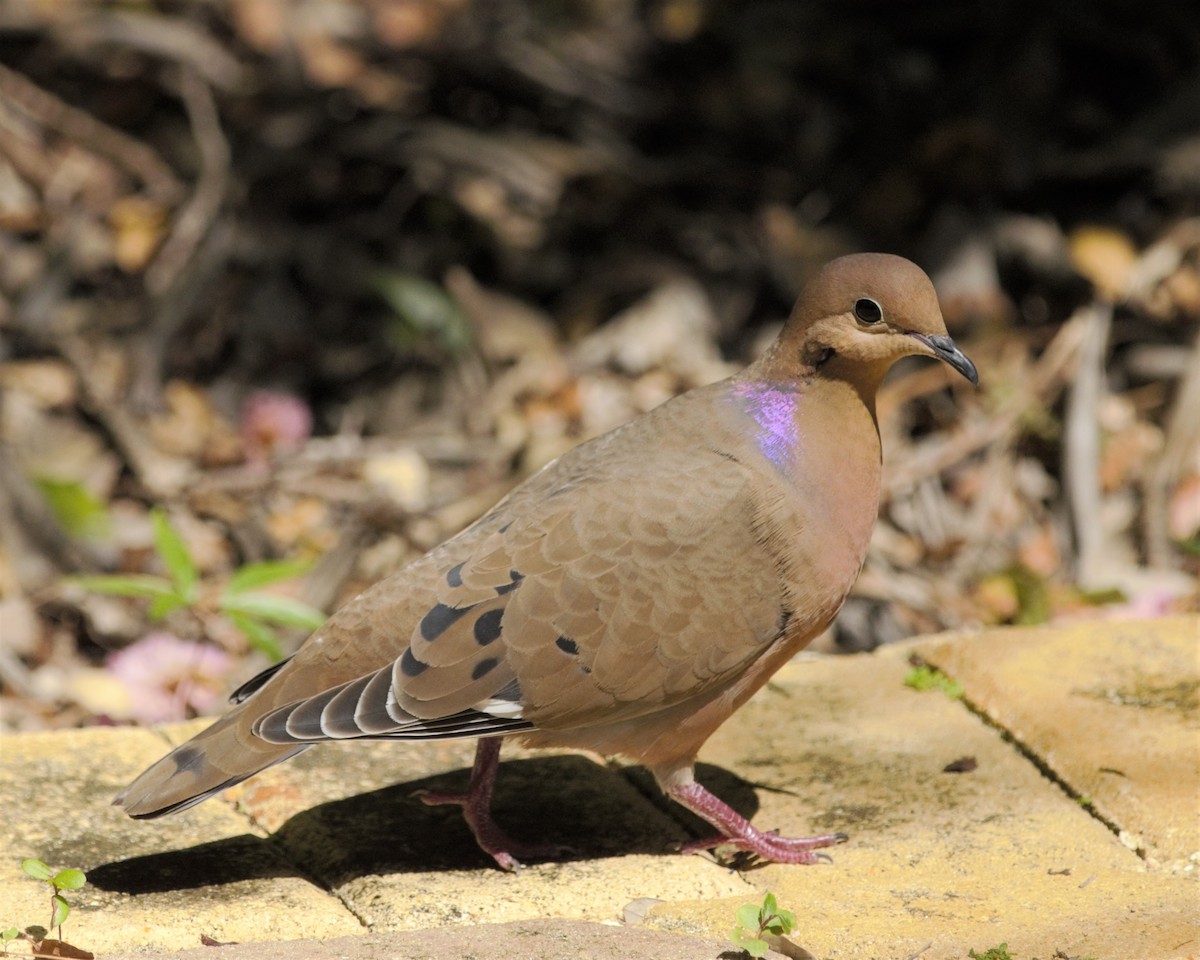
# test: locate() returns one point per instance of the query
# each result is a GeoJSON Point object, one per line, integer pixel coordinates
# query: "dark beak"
{"type": "Point", "coordinates": [944, 348]}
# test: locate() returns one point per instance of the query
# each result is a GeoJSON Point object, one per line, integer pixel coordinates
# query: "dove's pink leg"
{"type": "Point", "coordinates": [477, 811]}
{"type": "Point", "coordinates": [737, 831]}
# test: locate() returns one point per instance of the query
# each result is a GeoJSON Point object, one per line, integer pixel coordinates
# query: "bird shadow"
{"type": "Point", "coordinates": [592, 810]}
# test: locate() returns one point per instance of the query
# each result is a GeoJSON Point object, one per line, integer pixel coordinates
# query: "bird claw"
{"type": "Point", "coordinates": [431, 798]}
{"type": "Point", "coordinates": [749, 852]}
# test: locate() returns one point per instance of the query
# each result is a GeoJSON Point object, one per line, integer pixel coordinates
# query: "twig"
{"type": "Point", "coordinates": [198, 213]}
{"type": "Point", "coordinates": [161, 475]}
{"type": "Point", "coordinates": [84, 129]}
{"type": "Point", "coordinates": [1182, 439]}
{"type": "Point", "coordinates": [1081, 444]}
{"type": "Point", "coordinates": [1045, 379]}
{"type": "Point", "coordinates": [170, 38]}
{"type": "Point", "coordinates": [16, 676]}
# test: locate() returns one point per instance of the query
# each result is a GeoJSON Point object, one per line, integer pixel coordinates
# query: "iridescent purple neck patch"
{"type": "Point", "coordinates": [774, 411]}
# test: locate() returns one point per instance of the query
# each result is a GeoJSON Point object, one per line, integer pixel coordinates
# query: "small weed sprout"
{"type": "Point", "coordinates": [69, 879]}
{"type": "Point", "coordinates": [7, 937]}
{"type": "Point", "coordinates": [754, 921]}
{"type": "Point", "coordinates": [924, 677]}
{"type": "Point", "coordinates": [992, 953]}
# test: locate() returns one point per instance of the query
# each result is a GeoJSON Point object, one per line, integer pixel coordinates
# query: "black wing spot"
{"type": "Point", "coordinates": [515, 577]}
{"type": "Point", "coordinates": [454, 574]}
{"type": "Point", "coordinates": [484, 667]}
{"type": "Point", "coordinates": [440, 618]}
{"type": "Point", "coordinates": [410, 666]}
{"type": "Point", "coordinates": [567, 645]}
{"type": "Point", "coordinates": [487, 627]}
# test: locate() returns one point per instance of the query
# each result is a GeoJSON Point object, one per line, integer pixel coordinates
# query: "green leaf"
{"type": "Point", "coordinates": [61, 909]}
{"type": "Point", "coordinates": [36, 869]}
{"type": "Point", "coordinates": [10, 934]}
{"type": "Point", "coordinates": [69, 879]}
{"type": "Point", "coordinates": [748, 941]}
{"type": "Point", "coordinates": [131, 585]}
{"type": "Point", "coordinates": [261, 637]}
{"type": "Point", "coordinates": [74, 507]}
{"type": "Point", "coordinates": [770, 904]}
{"type": "Point", "coordinates": [266, 606]}
{"type": "Point", "coordinates": [269, 571]}
{"type": "Point", "coordinates": [1033, 597]}
{"type": "Point", "coordinates": [1100, 598]}
{"type": "Point", "coordinates": [747, 916]}
{"type": "Point", "coordinates": [926, 677]}
{"type": "Point", "coordinates": [423, 309]}
{"type": "Point", "coordinates": [788, 920]}
{"type": "Point", "coordinates": [175, 555]}
{"type": "Point", "coordinates": [992, 953]}
{"type": "Point", "coordinates": [1191, 546]}
{"type": "Point", "coordinates": [160, 607]}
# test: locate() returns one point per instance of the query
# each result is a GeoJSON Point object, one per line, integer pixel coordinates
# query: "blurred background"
{"type": "Point", "coordinates": [291, 290]}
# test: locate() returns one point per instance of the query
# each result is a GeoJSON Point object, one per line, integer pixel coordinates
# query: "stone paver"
{"type": "Point", "coordinates": [938, 863]}
{"type": "Point", "coordinates": [525, 940]}
{"type": "Point", "coordinates": [346, 812]}
{"type": "Point", "coordinates": [1112, 708]}
{"type": "Point", "coordinates": [156, 883]}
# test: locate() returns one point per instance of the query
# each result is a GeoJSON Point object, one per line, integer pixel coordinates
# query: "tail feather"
{"type": "Point", "coordinates": [212, 760]}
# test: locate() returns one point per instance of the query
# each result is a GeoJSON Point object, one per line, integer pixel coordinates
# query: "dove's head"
{"type": "Point", "coordinates": [859, 315]}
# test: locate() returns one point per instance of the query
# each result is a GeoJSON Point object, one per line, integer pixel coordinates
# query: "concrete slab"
{"type": "Point", "coordinates": [889, 912]}
{"type": "Point", "coordinates": [157, 884]}
{"type": "Point", "coordinates": [938, 863]}
{"type": "Point", "coordinates": [1112, 708]}
{"type": "Point", "coordinates": [526, 940]}
{"type": "Point", "coordinates": [346, 814]}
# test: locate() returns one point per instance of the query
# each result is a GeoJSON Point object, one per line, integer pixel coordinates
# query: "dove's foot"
{"type": "Point", "coordinates": [476, 804]}
{"type": "Point", "coordinates": [738, 832]}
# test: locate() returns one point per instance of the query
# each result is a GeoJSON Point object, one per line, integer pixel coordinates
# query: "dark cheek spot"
{"type": "Point", "coordinates": [567, 645]}
{"type": "Point", "coordinates": [484, 667]}
{"type": "Point", "coordinates": [487, 627]}
{"type": "Point", "coordinates": [410, 666]}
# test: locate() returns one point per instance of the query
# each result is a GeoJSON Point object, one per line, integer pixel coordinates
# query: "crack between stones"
{"type": "Point", "coordinates": [1046, 770]}
{"type": "Point", "coordinates": [260, 830]}
{"type": "Point", "coordinates": [278, 849]}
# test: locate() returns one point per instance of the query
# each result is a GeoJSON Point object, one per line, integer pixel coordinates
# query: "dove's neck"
{"type": "Point", "coordinates": [814, 426]}
{"type": "Point", "coordinates": [819, 441]}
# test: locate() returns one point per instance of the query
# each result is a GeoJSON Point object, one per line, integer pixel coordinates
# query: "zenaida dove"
{"type": "Point", "coordinates": [626, 599]}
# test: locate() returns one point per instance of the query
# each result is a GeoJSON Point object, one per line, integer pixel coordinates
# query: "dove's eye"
{"type": "Point", "coordinates": [867, 310]}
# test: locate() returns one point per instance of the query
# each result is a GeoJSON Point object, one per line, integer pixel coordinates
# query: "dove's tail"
{"type": "Point", "coordinates": [224, 754]}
